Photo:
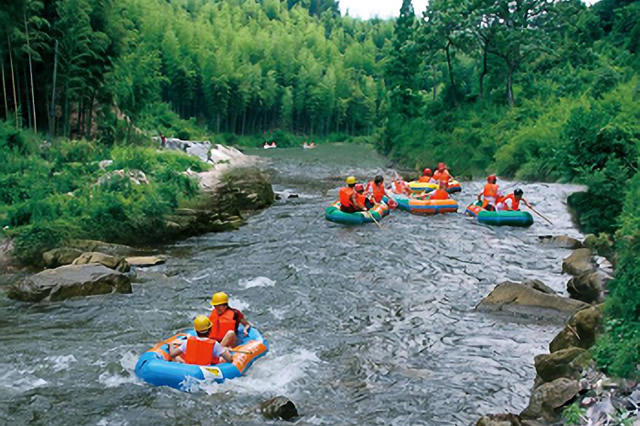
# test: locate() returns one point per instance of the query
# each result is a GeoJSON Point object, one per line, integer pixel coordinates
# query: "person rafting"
{"type": "Point", "coordinates": [362, 200]}
{"type": "Point", "coordinates": [200, 349]}
{"type": "Point", "coordinates": [376, 189]}
{"type": "Point", "coordinates": [512, 201]}
{"type": "Point", "coordinates": [442, 172]}
{"type": "Point", "coordinates": [400, 186]}
{"type": "Point", "coordinates": [490, 194]}
{"type": "Point", "coordinates": [427, 176]}
{"type": "Point", "coordinates": [441, 193]}
{"type": "Point", "coordinates": [347, 197]}
{"type": "Point", "coordinates": [225, 321]}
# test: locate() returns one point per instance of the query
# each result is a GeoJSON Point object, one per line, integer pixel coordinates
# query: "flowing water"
{"type": "Point", "coordinates": [366, 325]}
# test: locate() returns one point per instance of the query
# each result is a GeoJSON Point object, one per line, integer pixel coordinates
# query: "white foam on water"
{"type": "Point", "coordinates": [256, 282]}
{"type": "Point", "coordinates": [271, 374]}
{"type": "Point", "coordinates": [278, 314]}
{"type": "Point", "coordinates": [61, 362]}
{"type": "Point", "coordinates": [20, 381]}
{"type": "Point", "coordinates": [110, 421]}
{"type": "Point", "coordinates": [128, 361]}
{"type": "Point", "coordinates": [114, 380]}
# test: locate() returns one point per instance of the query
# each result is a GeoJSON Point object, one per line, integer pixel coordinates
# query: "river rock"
{"type": "Point", "coordinates": [113, 262]}
{"type": "Point", "coordinates": [6, 259]}
{"type": "Point", "coordinates": [279, 407]}
{"type": "Point", "coordinates": [144, 261]}
{"type": "Point", "coordinates": [560, 241]}
{"type": "Point", "coordinates": [581, 330]}
{"type": "Point", "coordinates": [506, 419]}
{"type": "Point", "coordinates": [137, 177]}
{"type": "Point", "coordinates": [538, 285]}
{"type": "Point", "coordinates": [558, 364]}
{"type": "Point", "coordinates": [70, 281]}
{"type": "Point", "coordinates": [589, 287]}
{"type": "Point", "coordinates": [247, 188]}
{"type": "Point", "coordinates": [579, 262]}
{"type": "Point", "coordinates": [60, 256]}
{"type": "Point", "coordinates": [523, 300]}
{"type": "Point", "coordinates": [548, 399]}
{"type": "Point", "coordinates": [101, 246]}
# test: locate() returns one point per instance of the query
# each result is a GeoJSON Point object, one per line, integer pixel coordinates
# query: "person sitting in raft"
{"type": "Point", "coordinates": [200, 349]}
{"type": "Point", "coordinates": [312, 144]}
{"type": "Point", "coordinates": [376, 189]}
{"type": "Point", "coordinates": [442, 172]}
{"type": "Point", "coordinates": [426, 177]}
{"type": "Point", "coordinates": [225, 321]}
{"type": "Point", "coordinates": [362, 200]}
{"type": "Point", "coordinates": [512, 201]}
{"type": "Point", "coordinates": [441, 193]}
{"type": "Point", "coordinates": [400, 186]}
{"type": "Point", "coordinates": [490, 194]}
{"type": "Point", "coordinates": [347, 197]}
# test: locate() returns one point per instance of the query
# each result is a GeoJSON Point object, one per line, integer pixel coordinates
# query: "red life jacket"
{"type": "Point", "coordinates": [515, 204]}
{"type": "Point", "coordinates": [439, 194]}
{"type": "Point", "coordinates": [424, 179]}
{"type": "Point", "coordinates": [200, 351]}
{"type": "Point", "coordinates": [345, 196]}
{"type": "Point", "coordinates": [377, 191]}
{"type": "Point", "coordinates": [221, 324]}
{"type": "Point", "coordinates": [442, 175]}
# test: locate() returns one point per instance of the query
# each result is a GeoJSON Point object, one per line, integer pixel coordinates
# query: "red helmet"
{"type": "Point", "coordinates": [441, 166]}
{"type": "Point", "coordinates": [492, 179]}
{"type": "Point", "coordinates": [426, 172]}
{"type": "Point", "coordinates": [359, 187]}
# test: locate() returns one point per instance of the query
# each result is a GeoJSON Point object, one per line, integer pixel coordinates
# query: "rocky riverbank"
{"type": "Point", "coordinates": [568, 388]}
{"type": "Point", "coordinates": [231, 189]}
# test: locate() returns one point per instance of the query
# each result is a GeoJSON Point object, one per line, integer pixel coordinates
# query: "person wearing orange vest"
{"type": "Point", "coordinates": [200, 349]}
{"type": "Point", "coordinates": [426, 177]}
{"type": "Point", "coordinates": [442, 173]}
{"type": "Point", "coordinates": [225, 321]}
{"type": "Point", "coordinates": [512, 201]}
{"type": "Point", "coordinates": [362, 200]}
{"type": "Point", "coordinates": [347, 197]}
{"type": "Point", "coordinates": [441, 193]}
{"type": "Point", "coordinates": [376, 189]}
{"type": "Point", "coordinates": [490, 194]}
{"type": "Point", "coordinates": [399, 186]}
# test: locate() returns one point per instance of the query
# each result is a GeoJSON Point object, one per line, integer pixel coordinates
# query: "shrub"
{"type": "Point", "coordinates": [33, 240]}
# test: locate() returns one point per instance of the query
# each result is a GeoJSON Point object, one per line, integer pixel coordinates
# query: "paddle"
{"type": "Point", "coordinates": [534, 210]}
{"type": "Point", "coordinates": [374, 219]}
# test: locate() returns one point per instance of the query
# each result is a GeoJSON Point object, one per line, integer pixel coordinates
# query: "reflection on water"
{"type": "Point", "coordinates": [366, 325]}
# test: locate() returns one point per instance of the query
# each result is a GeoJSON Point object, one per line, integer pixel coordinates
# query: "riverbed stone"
{"type": "Point", "coordinates": [101, 246]}
{"type": "Point", "coordinates": [247, 188]}
{"type": "Point", "coordinates": [506, 419]}
{"type": "Point", "coordinates": [590, 287]}
{"type": "Point", "coordinates": [525, 301]}
{"type": "Point", "coordinates": [145, 261]}
{"type": "Point", "coordinates": [279, 407]}
{"type": "Point", "coordinates": [579, 262]}
{"type": "Point", "coordinates": [113, 262]}
{"type": "Point", "coordinates": [548, 399]}
{"type": "Point", "coordinates": [558, 364]}
{"type": "Point", "coordinates": [560, 241]}
{"type": "Point", "coordinates": [70, 281]}
{"type": "Point", "coordinates": [60, 256]}
{"type": "Point", "coordinates": [580, 331]}
{"type": "Point", "coordinates": [538, 285]}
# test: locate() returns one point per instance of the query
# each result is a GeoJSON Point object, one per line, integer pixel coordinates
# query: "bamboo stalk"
{"type": "Point", "coordinates": [4, 88]}
{"type": "Point", "coordinates": [13, 83]}
{"type": "Point", "coordinates": [33, 97]}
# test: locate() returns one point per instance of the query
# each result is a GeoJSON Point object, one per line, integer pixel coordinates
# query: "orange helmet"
{"type": "Point", "coordinates": [492, 179]}
{"type": "Point", "coordinates": [426, 172]}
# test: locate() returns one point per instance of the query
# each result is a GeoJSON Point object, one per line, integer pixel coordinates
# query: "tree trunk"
{"type": "Point", "coordinates": [26, 85]}
{"type": "Point", "coordinates": [510, 85]}
{"type": "Point", "coordinates": [90, 117]}
{"type": "Point", "coordinates": [65, 118]}
{"type": "Point", "coordinates": [13, 83]}
{"type": "Point", "coordinates": [33, 97]}
{"type": "Point", "coordinates": [4, 88]}
{"type": "Point", "coordinates": [451, 79]}
{"type": "Point", "coordinates": [483, 73]}
{"type": "Point", "coordinates": [435, 85]}
{"type": "Point", "coordinates": [244, 120]}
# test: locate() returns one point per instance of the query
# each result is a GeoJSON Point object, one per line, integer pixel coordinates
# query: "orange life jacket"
{"type": "Point", "coordinates": [439, 194]}
{"type": "Point", "coordinates": [376, 190]}
{"type": "Point", "coordinates": [425, 179]}
{"type": "Point", "coordinates": [490, 190]}
{"type": "Point", "coordinates": [400, 187]}
{"type": "Point", "coordinates": [345, 196]}
{"type": "Point", "coordinates": [515, 204]}
{"type": "Point", "coordinates": [221, 324]}
{"type": "Point", "coordinates": [200, 351]}
{"type": "Point", "coordinates": [442, 175]}
{"type": "Point", "coordinates": [360, 199]}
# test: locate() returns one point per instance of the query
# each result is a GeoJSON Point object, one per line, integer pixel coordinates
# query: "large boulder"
{"type": "Point", "coordinates": [101, 246]}
{"type": "Point", "coordinates": [589, 288]}
{"type": "Point", "coordinates": [60, 256]}
{"type": "Point", "coordinates": [506, 419]}
{"type": "Point", "coordinates": [70, 281]}
{"type": "Point", "coordinates": [246, 188]}
{"type": "Point", "coordinates": [581, 330]}
{"type": "Point", "coordinates": [558, 364]}
{"type": "Point", "coordinates": [522, 300]}
{"type": "Point", "coordinates": [6, 259]}
{"type": "Point", "coordinates": [548, 399]}
{"type": "Point", "coordinates": [538, 285]}
{"type": "Point", "coordinates": [560, 241]}
{"type": "Point", "coordinates": [279, 407]}
{"type": "Point", "coordinates": [113, 262]}
{"type": "Point", "coordinates": [580, 262]}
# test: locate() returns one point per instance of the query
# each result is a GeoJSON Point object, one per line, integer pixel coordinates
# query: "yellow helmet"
{"type": "Point", "coordinates": [351, 180]}
{"type": "Point", "coordinates": [201, 323]}
{"type": "Point", "coordinates": [219, 298]}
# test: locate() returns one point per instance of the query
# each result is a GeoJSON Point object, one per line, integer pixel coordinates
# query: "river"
{"type": "Point", "coordinates": [366, 325]}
